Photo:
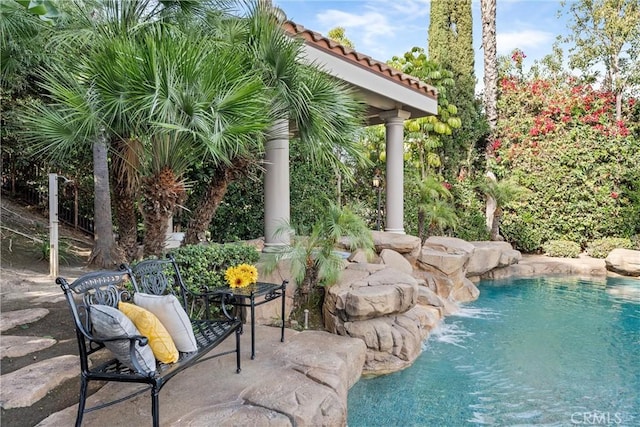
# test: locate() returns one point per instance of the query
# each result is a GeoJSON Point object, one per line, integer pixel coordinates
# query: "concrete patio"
{"type": "Point", "coordinates": [303, 381]}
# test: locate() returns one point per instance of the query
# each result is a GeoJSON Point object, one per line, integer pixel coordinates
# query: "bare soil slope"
{"type": "Point", "coordinates": [24, 271]}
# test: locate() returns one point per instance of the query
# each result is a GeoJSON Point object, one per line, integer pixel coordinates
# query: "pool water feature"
{"type": "Point", "coordinates": [542, 351]}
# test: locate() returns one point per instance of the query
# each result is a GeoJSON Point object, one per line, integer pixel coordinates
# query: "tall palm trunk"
{"type": "Point", "coordinates": [104, 253]}
{"type": "Point", "coordinates": [206, 209]}
{"type": "Point", "coordinates": [495, 226]}
{"type": "Point", "coordinates": [491, 207]}
{"type": "Point", "coordinates": [489, 45]}
{"type": "Point", "coordinates": [127, 221]}
{"type": "Point", "coordinates": [124, 203]}
{"type": "Point", "coordinates": [421, 223]}
{"type": "Point", "coordinates": [301, 298]}
{"type": "Point", "coordinates": [162, 193]}
{"type": "Point", "coordinates": [203, 214]}
{"type": "Point", "coordinates": [488, 10]}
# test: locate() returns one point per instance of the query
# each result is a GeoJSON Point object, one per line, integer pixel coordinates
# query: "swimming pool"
{"type": "Point", "coordinates": [542, 351]}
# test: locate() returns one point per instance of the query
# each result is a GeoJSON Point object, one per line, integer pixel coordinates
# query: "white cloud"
{"type": "Point", "coordinates": [372, 22]}
{"type": "Point", "coordinates": [525, 39]}
{"type": "Point", "coordinates": [366, 30]}
{"type": "Point", "coordinates": [411, 9]}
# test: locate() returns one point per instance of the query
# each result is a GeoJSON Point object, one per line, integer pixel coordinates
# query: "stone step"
{"type": "Point", "coordinates": [11, 319]}
{"type": "Point", "coordinates": [26, 386]}
{"type": "Point", "coordinates": [17, 346]}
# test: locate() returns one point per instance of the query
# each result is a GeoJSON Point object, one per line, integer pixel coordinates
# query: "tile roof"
{"type": "Point", "coordinates": [348, 54]}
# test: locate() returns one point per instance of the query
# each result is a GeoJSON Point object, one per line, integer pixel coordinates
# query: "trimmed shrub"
{"type": "Point", "coordinates": [561, 139]}
{"type": "Point", "coordinates": [470, 211]}
{"type": "Point", "coordinates": [562, 248]}
{"type": "Point", "coordinates": [204, 265]}
{"type": "Point", "coordinates": [600, 248]}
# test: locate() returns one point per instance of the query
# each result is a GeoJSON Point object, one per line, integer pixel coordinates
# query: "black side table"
{"type": "Point", "coordinates": [270, 292]}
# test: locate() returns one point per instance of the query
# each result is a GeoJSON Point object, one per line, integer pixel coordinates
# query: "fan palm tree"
{"type": "Point", "coordinates": [161, 89]}
{"type": "Point", "coordinates": [314, 260]}
{"type": "Point", "coordinates": [190, 97]}
{"type": "Point", "coordinates": [502, 192]}
{"type": "Point", "coordinates": [434, 209]}
{"type": "Point", "coordinates": [68, 123]}
{"type": "Point", "coordinates": [439, 214]}
{"type": "Point", "coordinates": [74, 118]}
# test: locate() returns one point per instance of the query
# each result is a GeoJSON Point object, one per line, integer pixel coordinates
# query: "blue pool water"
{"type": "Point", "coordinates": [544, 351]}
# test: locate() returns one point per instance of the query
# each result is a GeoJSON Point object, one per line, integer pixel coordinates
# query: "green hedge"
{"type": "Point", "coordinates": [600, 248]}
{"type": "Point", "coordinates": [562, 248]}
{"type": "Point", "coordinates": [562, 141]}
{"type": "Point", "coordinates": [205, 265]}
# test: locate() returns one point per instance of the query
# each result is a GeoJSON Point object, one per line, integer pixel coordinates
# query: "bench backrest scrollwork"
{"type": "Point", "coordinates": [100, 287]}
{"type": "Point", "coordinates": [158, 277]}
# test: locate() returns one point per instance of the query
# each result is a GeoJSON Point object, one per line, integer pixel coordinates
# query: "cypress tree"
{"type": "Point", "coordinates": [450, 42]}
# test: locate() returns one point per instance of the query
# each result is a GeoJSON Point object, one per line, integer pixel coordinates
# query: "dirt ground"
{"type": "Point", "coordinates": [23, 258]}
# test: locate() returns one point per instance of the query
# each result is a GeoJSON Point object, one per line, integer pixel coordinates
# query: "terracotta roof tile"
{"type": "Point", "coordinates": [347, 53]}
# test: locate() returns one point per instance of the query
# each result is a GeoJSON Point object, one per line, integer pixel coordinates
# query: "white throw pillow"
{"type": "Point", "coordinates": [109, 322]}
{"type": "Point", "coordinates": [170, 312]}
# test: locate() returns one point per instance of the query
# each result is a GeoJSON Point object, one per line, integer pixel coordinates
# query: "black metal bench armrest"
{"type": "Point", "coordinates": [142, 340]}
{"type": "Point", "coordinates": [225, 298]}
{"type": "Point", "coordinates": [214, 298]}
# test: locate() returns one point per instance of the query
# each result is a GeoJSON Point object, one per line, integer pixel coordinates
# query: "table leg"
{"type": "Point", "coordinates": [284, 287]}
{"type": "Point", "coordinates": [253, 327]}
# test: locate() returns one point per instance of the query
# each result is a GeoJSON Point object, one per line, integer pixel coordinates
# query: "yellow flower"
{"type": "Point", "coordinates": [250, 271]}
{"type": "Point", "coordinates": [241, 275]}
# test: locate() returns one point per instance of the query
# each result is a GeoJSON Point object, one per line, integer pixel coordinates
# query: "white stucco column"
{"type": "Point", "coordinates": [276, 184]}
{"type": "Point", "coordinates": [394, 124]}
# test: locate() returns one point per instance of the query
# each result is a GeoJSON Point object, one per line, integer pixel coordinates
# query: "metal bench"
{"type": "Point", "coordinates": [157, 277]}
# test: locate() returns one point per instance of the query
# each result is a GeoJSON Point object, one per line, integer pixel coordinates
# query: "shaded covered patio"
{"type": "Point", "coordinates": [391, 98]}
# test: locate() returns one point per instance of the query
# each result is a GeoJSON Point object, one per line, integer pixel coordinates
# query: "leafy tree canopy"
{"type": "Point", "coordinates": [606, 33]}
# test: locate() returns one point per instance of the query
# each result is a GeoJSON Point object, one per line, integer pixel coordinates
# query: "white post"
{"type": "Point", "coordinates": [276, 186]}
{"type": "Point", "coordinates": [394, 124]}
{"type": "Point", "coordinates": [53, 224]}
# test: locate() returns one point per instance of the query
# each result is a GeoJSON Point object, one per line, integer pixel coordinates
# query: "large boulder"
{"type": "Point", "coordinates": [404, 244]}
{"type": "Point", "coordinates": [624, 261]}
{"type": "Point", "coordinates": [393, 342]}
{"type": "Point", "coordinates": [509, 257]}
{"type": "Point", "coordinates": [489, 255]}
{"type": "Point", "coordinates": [387, 291]}
{"type": "Point", "coordinates": [378, 305]}
{"type": "Point", "coordinates": [443, 265]}
{"type": "Point", "coordinates": [438, 282]}
{"type": "Point", "coordinates": [428, 298]}
{"type": "Point", "coordinates": [448, 255]}
{"type": "Point", "coordinates": [468, 292]}
{"type": "Point", "coordinates": [542, 265]}
{"type": "Point", "coordinates": [393, 259]}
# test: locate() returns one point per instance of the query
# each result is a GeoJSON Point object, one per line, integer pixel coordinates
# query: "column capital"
{"type": "Point", "coordinates": [394, 115]}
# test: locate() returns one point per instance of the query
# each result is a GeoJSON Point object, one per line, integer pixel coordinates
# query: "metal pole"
{"type": "Point", "coordinates": [378, 221]}
{"type": "Point", "coordinates": [75, 206]}
{"type": "Point", "coordinates": [53, 224]}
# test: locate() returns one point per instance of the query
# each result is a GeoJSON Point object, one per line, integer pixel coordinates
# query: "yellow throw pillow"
{"type": "Point", "coordinates": [159, 339]}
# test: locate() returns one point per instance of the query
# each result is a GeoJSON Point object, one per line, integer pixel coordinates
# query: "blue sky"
{"type": "Point", "coordinates": [384, 28]}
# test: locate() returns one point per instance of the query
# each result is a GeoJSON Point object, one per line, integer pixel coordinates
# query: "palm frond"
{"type": "Point", "coordinates": [431, 189]}
{"type": "Point", "coordinates": [70, 122]}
